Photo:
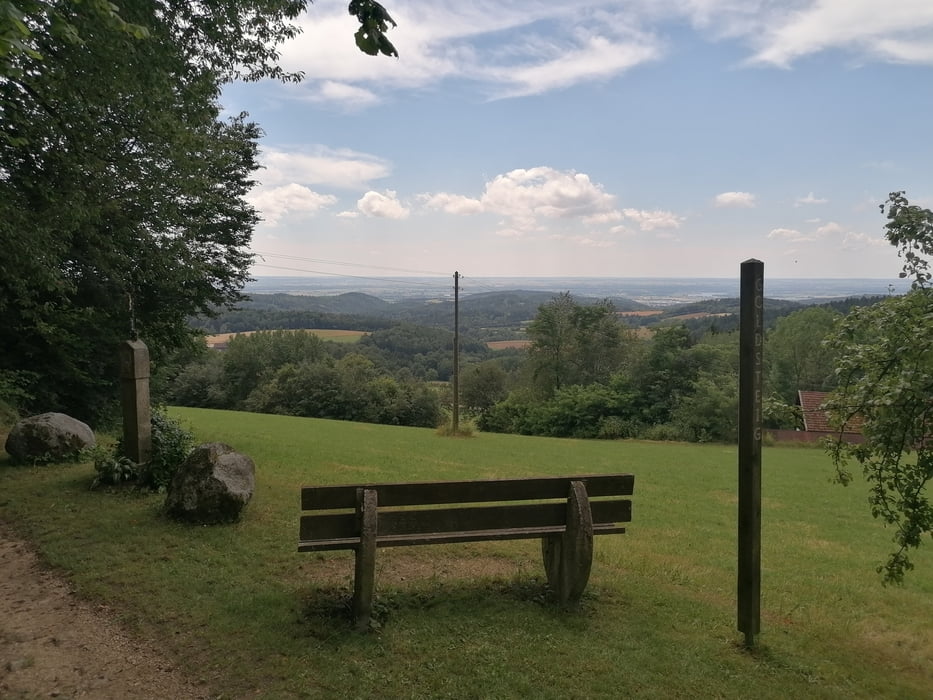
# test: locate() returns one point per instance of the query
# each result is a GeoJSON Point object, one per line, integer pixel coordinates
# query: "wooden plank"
{"type": "Point", "coordinates": [341, 526]}
{"type": "Point", "coordinates": [448, 538]}
{"type": "Point", "coordinates": [482, 491]}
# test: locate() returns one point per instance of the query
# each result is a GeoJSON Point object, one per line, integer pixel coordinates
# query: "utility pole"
{"type": "Point", "coordinates": [456, 407]}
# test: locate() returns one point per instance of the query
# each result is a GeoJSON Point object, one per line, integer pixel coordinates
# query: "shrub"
{"type": "Point", "coordinates": [111, 468]}
{"type": "Point", "coordinates": [171, 444]}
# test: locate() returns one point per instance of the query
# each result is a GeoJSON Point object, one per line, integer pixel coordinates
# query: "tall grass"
{"type": "Point", "coordinates": [241, 608]}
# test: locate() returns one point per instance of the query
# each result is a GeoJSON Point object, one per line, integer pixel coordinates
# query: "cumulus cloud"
{"type": "Point", "coordinates": [809, 199]}
{"type": "Point", "coordinates": [276, 202]}
{"type": "Point", "coordinates": [321, 166]}
{"type": "Point", "coordinates": [453, 203]}
{"type": "Point", "coordinates": [526, 194]}
{"type": "Point", "coordinates": [829, 228]}
{"type": "Point", "coordinates": [385, 206]}
{"type": "Point", "coordinates": [650, 220]}
{"type": "Point", "coordinates": [736, 200]}
{"type": "Point", "coordinates": [526, 197]}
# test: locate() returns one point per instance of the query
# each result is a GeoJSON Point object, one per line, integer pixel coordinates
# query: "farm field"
{"type": "Point", "coordinates": [339, 336]}
{"type": "Point", "coordinates": [508, 344]}
{"type": "Point", "coordinates": [239, 607]}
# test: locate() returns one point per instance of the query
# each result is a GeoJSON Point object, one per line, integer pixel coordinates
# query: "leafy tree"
{"type": "Point", "coordinates": [574, 344]}
{"type": "Point", "coordinates": [482, 385]}
{"type": "Point", "coordinates": [122, 190]}
{"type": "Point", "coordinates": [885, 374]}
{"type": "Point", "coordinates": [797, 357]}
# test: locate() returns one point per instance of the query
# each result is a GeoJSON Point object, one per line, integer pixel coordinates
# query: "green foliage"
{"type": "Point", "coordinates": [296, 373]}
{"type": "Point", "coordinates": [482, 385]}
{"type": "Point", "coordinates": [374, 21]}
{"type": "Point", "coordinates": [797, 358]}
{"type": "Point", "coordinates": [171, 443]}
{"type": "Point", "coordinates": [122, 206]}
{"type": "Point", "coordinates": [885, 376]}
{"type": "Point", "coordinates": [112, 469]}
{"type": "Point", "coordinates": [574, 344]}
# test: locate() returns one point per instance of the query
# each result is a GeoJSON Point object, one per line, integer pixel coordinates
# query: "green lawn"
{"type": "Point", "coordinates": [238, 606]}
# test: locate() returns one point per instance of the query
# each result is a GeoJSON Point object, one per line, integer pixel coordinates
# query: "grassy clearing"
{"type": "Point", "coordinates": [241, 608]}
{"type": "Point", "coordinates": [338, 336]}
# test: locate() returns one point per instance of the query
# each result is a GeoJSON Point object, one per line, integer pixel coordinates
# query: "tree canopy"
{"type": "Point", "coordinates": [122, 189]}
{"type": "Point", "coordinates": [885, 377]}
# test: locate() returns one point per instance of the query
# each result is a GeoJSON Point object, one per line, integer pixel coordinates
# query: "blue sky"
{"type": "Point", "coordinates": [651, 138]}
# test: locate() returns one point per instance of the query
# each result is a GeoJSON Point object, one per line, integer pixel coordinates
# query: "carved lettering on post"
{"type": "Point", "coordinates": [134, 394]}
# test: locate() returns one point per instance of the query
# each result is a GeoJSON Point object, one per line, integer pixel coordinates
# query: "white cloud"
{"type": "Point", "coordinates": [524, 196]}
{"type": "Point", "coordinates": [276, 202]}
{"type": "Point", "coordinates": [348, 215]}
{"type": "Point", "coordinates": [829, 228]}
{"type": "Point", "coordinates": [321, 166]}
{"type": "Point", "coordinates": [528, 196]}
{"type": "Point", "coordinates": [737, 200]}
{"type": "Point", "coordinates": [860, 241]}
{"type": "Point", "coordinates": [348, 96]}
{"type": "Point", "coordinates": [528, 47]}
{"type": "Point", "coordinates": [650, 220]}
{"type": "Point", "coordinates": [452, 203]}
{"type": "Point", "coordinates": [608, 217]}
{"type": "Point", "coordinates": [809, 199]}
{"type": "Point", "coordinates": [384, 206]}
{"type": "Point", "coordinates": [899, 31]}
{"type": "Point", "coordinates": [595, 58]}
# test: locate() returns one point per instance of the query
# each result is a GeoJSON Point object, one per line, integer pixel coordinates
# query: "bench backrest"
{"type": "Point", "coordinates": [414, 513]}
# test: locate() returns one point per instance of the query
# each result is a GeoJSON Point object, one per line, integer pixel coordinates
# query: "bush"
{"type": "Point", "coordinates": [111, 469]}
{"type": "Point", "coordinates": [171, 444]}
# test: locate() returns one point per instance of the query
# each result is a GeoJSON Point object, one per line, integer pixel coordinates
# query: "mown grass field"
{"type": "Point", "coordinates": [239, 607]}
{"type": "Point", "coordinates": [338, 336]}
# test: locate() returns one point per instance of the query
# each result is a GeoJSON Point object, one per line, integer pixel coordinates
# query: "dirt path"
{"type": "Point", "coordinates": [53, 644]}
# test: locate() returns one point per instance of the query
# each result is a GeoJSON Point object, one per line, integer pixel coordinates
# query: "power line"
{"type": "Point", "coordinates": [349, 264]}
{"type": "Point", "coordinates": [396, 280]}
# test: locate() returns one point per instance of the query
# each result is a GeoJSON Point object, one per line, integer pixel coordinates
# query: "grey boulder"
{"type": "Point", "coordinates": [212, 485]}
{"type": "Point", "coordinates": [48, 437]}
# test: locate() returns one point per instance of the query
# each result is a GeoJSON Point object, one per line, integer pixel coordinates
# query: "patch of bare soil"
{"type": "Point", "coordinates": [52, 644]}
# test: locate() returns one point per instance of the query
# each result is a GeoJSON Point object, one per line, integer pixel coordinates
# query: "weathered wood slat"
{"type": "Point", "coordinates": [441, 492]}
{"type": "Point", "coordinates": [338, 526]}
{"type": "Point", "coordinates": [449, 537]}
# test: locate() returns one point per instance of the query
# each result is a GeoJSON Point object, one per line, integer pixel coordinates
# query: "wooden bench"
{"type": "Point", "coordinates": [565, 512]}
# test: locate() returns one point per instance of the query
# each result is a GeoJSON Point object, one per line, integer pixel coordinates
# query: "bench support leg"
{"type": "Point", "coordinates": [365, 573]}
{"type": "Point", "coordinates": [569, 557]}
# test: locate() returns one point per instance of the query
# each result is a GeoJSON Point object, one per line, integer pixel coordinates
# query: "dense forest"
{"type": "Point", "coordinates": [591, 368]}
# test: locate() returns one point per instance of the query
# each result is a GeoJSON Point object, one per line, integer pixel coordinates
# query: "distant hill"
{"type": "Point", "coordinates": [487, 316]}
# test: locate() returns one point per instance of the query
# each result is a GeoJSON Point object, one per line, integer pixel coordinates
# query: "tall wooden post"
{"type": "Point", "coordinates": [751, 344]}
{"type": "Point", "coordinates": [134, 390]}
{"type": "Point", "coordinates": [455, 418]}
